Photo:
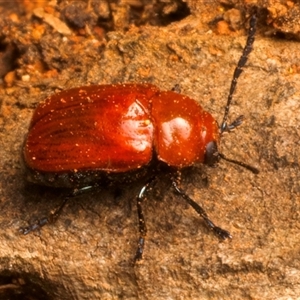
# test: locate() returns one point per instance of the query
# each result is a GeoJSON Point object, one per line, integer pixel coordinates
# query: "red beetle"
{"type": "Point", "coordinates": [82, 136]}
{"type": "Point", "coordinates": [115, 129]}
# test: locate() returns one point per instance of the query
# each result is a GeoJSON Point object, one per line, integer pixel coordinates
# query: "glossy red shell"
{"type": "Point", "coordinates": [117, 128]}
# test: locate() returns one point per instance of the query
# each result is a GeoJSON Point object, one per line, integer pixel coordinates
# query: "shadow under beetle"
{"type": "Point", "coordinates": [82, 137]}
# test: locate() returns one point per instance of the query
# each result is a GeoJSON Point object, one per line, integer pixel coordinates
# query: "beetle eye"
{"type": "Point", "coordinates": [211, 156]}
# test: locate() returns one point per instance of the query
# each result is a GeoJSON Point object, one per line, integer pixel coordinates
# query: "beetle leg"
{"type": "Point", "coordinates": [53, 216]}
{"type": "Point", "coordinates": [221, 233]}
{"type": "Point", "coordinates": [142, 224]}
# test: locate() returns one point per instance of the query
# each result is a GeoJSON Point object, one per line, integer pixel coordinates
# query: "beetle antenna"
{"type": "Point", "coordinates": [239, 69]}
{"type": "Point", "coordinates": [240, 163]}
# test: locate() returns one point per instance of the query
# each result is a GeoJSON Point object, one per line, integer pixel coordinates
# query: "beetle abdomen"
{"type": "Point", "coordinates": [92, 127]}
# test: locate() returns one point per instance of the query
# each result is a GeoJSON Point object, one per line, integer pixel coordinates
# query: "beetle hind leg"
{"type": "Point", "coordinates": [39, 223]}
{"type": "Point", "coordinates": [221, 233]}
{"type": "Point", "coordinates": [54, 215]}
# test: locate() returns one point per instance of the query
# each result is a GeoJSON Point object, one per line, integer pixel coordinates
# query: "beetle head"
{"type": "Point", "coordinates": [211, 156]}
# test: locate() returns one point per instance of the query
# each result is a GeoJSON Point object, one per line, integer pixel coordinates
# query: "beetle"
{"type": "Point", "coordinates": [86, 135]}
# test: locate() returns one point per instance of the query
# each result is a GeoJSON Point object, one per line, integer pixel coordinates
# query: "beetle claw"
{"type": "Point", "coordinates": [38, 224]}
{"type": "Point", "coordinates": [140, 250]}
{"type": "Point", "coordinates": [223, 234]}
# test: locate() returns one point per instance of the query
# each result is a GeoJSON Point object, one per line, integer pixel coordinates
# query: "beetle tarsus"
{"type": "Point", "coordinates": [223, 234]}
{"type": "Point", "coordinates": [54, 215]}
{"type": "Point", "coordinates": [219, 232]}
{"type": "Point", "coordinates": [140, 249]}
{"type": "Point", "coordinates": [35, 226]}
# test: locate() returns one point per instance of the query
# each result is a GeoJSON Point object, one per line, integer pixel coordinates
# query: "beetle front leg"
{"type": "Point", "coordinates": [221, 233]}
{"type": "Point", "coordinates": [53, 216]}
